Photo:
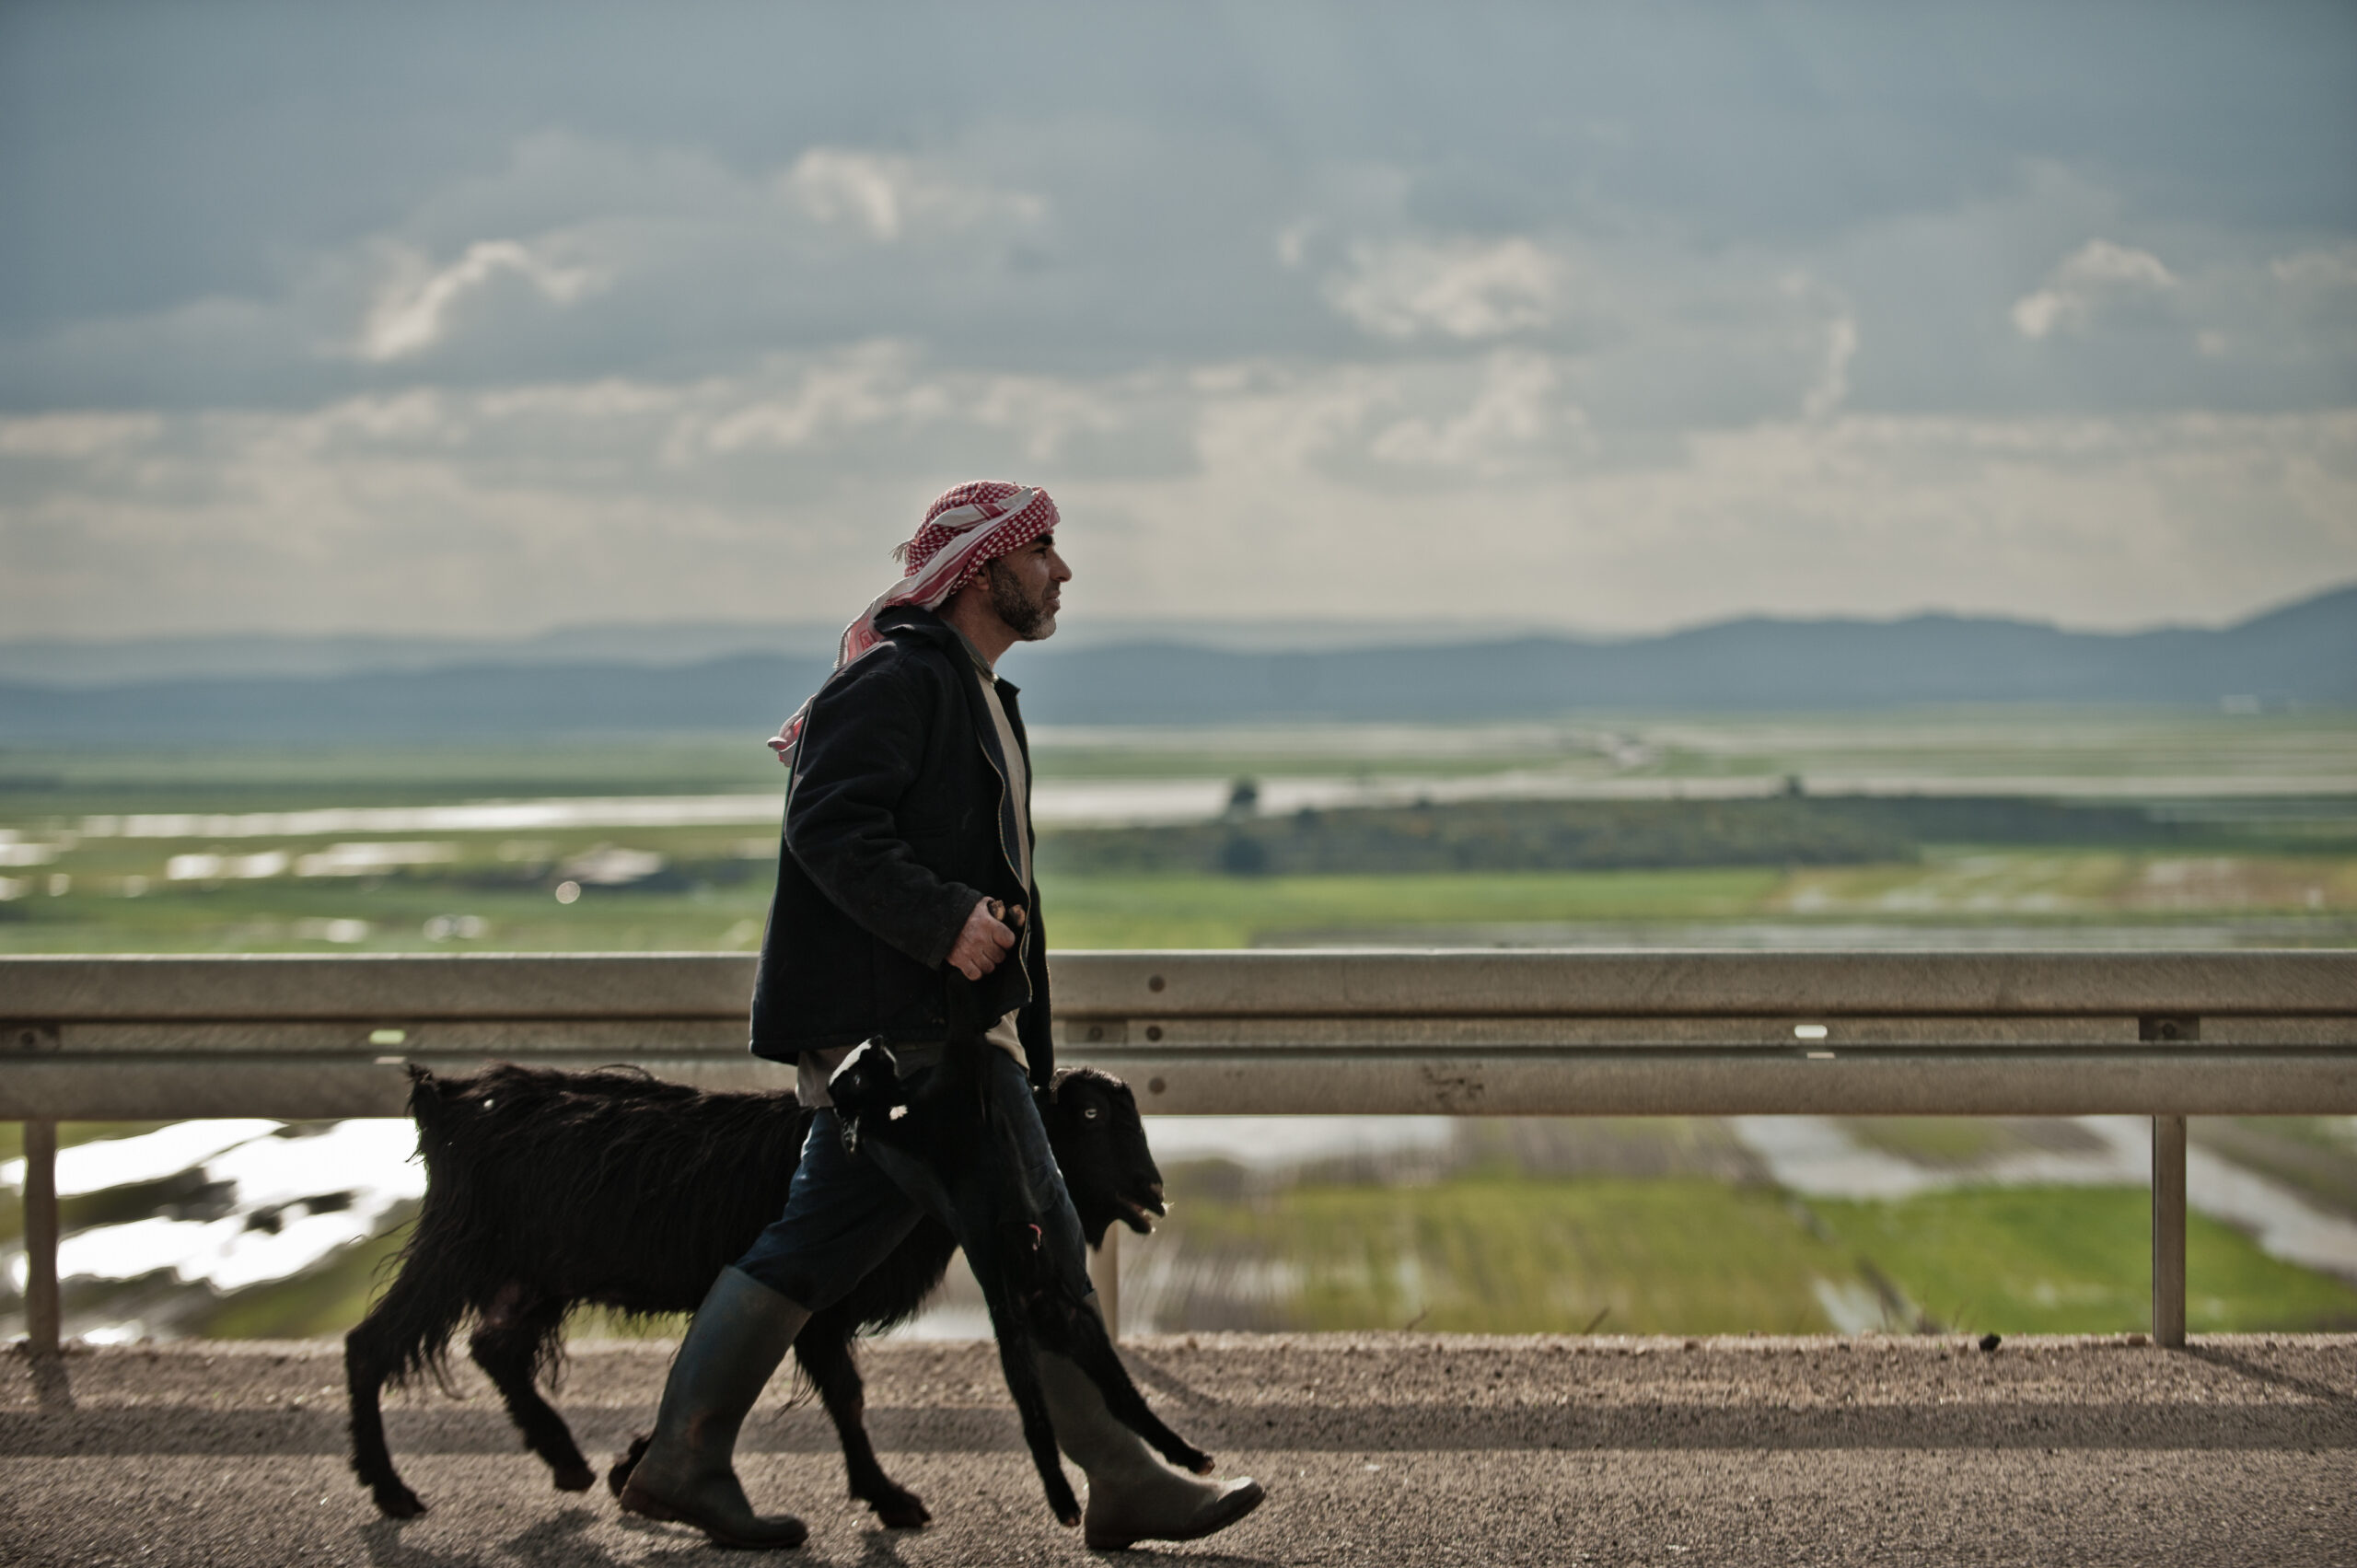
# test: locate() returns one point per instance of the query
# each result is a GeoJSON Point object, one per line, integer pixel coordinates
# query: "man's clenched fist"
{"type": "Point", "coordinates": [983, 942]}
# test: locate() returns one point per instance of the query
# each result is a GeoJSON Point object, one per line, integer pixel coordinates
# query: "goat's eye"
{"type": "Point", "coordinates": [1090, 1113]}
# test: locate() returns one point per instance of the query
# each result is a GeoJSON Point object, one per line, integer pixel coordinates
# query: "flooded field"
{"type": "Point", "coordinates": [2249, 838]}
{"type": "Point", "coordinates": [1772, 1223]}
{"type": "Point", "coordinates": [1696, 1226]}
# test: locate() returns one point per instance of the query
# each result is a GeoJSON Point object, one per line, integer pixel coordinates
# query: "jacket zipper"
{"type": "Point", "coordinates": [998, 830]}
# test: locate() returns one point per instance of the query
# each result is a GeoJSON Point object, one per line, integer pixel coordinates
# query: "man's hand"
{"type": "Point", "coordinates": [983, 942]}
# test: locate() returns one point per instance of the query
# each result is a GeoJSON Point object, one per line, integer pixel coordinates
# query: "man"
{"type": "Point", "coordinates": [908, 829]}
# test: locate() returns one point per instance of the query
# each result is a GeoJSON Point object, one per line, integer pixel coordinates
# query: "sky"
{"type": "Point", "coordinates": [468, 319]}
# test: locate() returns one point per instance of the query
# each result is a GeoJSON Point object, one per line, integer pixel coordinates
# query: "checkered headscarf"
{"type": "Point", "coordinates": [968, 526]}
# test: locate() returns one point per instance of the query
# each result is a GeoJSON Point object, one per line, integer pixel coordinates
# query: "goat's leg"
{"type": "Point", "coordinates": [824, 1350]}
{"type": "Point", "coordinates": [618, 1473]}
{"type": "Point", "coordinates": [506, 1346]}
{"type": "Point", "coordinates": [414, 1314]}
{"type": "Point", "coordinates": [1088, 1347]}
{"type": "Point", "coordinates": [1070, 1326]}
{"type": "Point", "coordinates": [363, 1376]}
{"type": "Point", "coordinates": [1018, 1362]}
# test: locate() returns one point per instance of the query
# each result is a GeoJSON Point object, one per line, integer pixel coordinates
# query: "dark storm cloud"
{"type": "Point", "coordinates": [478, 315]}
{"type": "Point", "coordinates": [214, 182]}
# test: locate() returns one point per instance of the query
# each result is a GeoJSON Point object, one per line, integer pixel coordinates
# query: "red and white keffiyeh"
{"type": "Point", "coordinates": [968, 526]}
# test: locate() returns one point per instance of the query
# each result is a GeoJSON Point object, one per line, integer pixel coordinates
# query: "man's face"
{"type": "Point", "coordinates": [1027, 588]}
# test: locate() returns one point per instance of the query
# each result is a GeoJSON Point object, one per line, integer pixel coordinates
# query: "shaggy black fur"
{"type": "Point", "coordinates": [547, 1190]}
{"type": "Point", "coordinates": [947, 1123]}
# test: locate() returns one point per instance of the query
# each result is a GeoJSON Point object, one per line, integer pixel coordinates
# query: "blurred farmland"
{"type": "Point", "coordinates": [1937, 829]}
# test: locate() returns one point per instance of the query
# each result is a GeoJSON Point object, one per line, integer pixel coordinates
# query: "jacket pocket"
{"type": "Point", "coordinates": [908, 995]}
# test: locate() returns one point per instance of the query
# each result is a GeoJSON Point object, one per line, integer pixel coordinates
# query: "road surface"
{"type": "Point", "coordinates": [1391, 1449]}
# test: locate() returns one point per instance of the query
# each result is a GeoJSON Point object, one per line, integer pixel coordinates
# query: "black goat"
{"type": "Point", "coordinates": [948, 1122]}
{"type": "Point", "coordinates": [547, 1190]}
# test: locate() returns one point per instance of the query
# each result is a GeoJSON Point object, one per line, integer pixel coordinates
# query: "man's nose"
{"type": "Point", "coordinates": [1057, 569]}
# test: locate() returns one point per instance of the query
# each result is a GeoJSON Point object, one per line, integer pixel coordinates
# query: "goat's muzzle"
{"type": "Point", "coordinates": [1141, 1215]}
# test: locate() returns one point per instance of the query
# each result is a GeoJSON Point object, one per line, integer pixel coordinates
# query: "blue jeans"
{"type": "Point", "coordinates": [846, 1212]}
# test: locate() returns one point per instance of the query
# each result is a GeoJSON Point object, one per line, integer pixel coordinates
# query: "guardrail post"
{"type": "Point", "coordinates": [41, 1238]}
{"type": "Point", "coordinates": [1105, 1273]}
{"type": "Point", "coordinates": [2169, 1232]}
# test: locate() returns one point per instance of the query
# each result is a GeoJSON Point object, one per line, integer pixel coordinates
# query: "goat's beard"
{"type": "Point", "coordinates": [1028, 618]}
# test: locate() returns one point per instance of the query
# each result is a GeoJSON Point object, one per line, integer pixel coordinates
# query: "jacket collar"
{"type": "Point", "coordinates": [927, 625]}
{"type": "Point", "coordinates": [918, 621]}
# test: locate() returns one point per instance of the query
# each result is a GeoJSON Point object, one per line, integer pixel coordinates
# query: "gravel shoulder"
{"type": "Point", "coordinates": [1392, 1448]}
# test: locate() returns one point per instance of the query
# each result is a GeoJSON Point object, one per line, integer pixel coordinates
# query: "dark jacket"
{"type": "Point", "coordinates": [897, 819]}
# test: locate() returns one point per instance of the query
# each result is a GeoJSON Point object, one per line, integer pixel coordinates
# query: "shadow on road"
{"type": "Point", "coordinates": [2248, 1368]}
{"type": "Point", "coordinates": [52, 1383]}
{"type": "Point", "coordinates": [1162, 1381]}
{"type": "Point", "coordinates": [2330, 1422]}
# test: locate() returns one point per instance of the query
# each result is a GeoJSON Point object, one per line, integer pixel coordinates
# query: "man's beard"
{"type": "Point", "coordinates": [1028, 618]}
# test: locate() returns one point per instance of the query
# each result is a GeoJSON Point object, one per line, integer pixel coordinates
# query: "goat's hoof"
{"type": "Point", "coordinates": [618, 1476]}
{"type": "Point", "coordinates": [901, 1511]}
{"type": "Point", "coordinates": [398, 1502]}
{"type": "Point", "coordinates": [576, 1475]}
{"type": "Point", "coordinates": [1203, 1464]}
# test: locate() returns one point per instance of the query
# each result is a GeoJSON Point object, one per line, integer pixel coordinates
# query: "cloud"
{"type": "Point", "coordinates": [1833, 383]}
{"type": "Point", "coordinates": [74, 436]}
{"type": "Point", "coordinates": [2321, 272]}
{"type": "Point", "coordinates": [885, 196]}
{"type": "Point", "coordinates": [2096, 276]}
{"type": "Point", "coordinates": [1042, 247]}
{"type": "Point", "coordinates": [2231, 328]}
{"type": "Point", "coordinates": [1428, 486]}
{"type": "Point", "coordinates": [1462, 289]}
{"type": "Point", "coordinates": [414, 311]}
{"type": "Point", "coordinates": [1675, 321]}
{"type": "Point", "coordinates": [1514, 420]}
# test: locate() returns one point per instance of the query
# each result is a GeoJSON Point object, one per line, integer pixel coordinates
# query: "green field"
{"type": "Point", "coordinates": [1683, 1255]}
{"type": "Point", "coordinates": [1669, 1230]}
{"type": "Point", "coordinates": [1500, 1252]}
{"type": "Point", "coordinates": [2308, 900]}
{"type": "Point", "coordinates": [2058, 1260]}
{"type": "Point", "coordinates": [77, 874]}
{"type": "Point", "coordinates": [2312, 751]}
{"type": "Point", "coordinates": [1228, 912]}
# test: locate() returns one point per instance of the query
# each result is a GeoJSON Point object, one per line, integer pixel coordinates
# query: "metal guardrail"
{"type": "Point", "coordinates": [1465, 1033]}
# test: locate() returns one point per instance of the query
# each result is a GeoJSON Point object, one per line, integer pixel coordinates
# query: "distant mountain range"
{"type": "Point", "coordinates": [2305, 653]}
{"type": "Point", "coordinates": [115, 661]}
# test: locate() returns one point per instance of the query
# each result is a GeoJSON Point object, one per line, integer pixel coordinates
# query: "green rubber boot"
{"type": "Point", "coordinates": [1133, 1495]}
{"type": "Point", "coordinates": [734, 1343]}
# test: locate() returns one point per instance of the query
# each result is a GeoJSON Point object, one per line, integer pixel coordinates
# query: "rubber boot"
{"type": "Point", "coordinates": [734, 1343]}
{"type": "Point", "coordinates": [1133, 1495]}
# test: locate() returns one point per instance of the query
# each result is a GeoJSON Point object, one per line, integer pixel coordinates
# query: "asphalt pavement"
{"type": "Point", "coordinates": [1378, 1449]}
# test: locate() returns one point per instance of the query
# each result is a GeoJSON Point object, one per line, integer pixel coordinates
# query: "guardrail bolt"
{"type": "Point", "coordinates": [33, 1037]}
{"type": "Point", "coordinates": [2168, 1029]}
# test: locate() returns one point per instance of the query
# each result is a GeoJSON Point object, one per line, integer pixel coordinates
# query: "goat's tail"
{"type": "Point", "coordinates": [438, 1274]}
{"type": "Point", "coordinates": [431, 1107]}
